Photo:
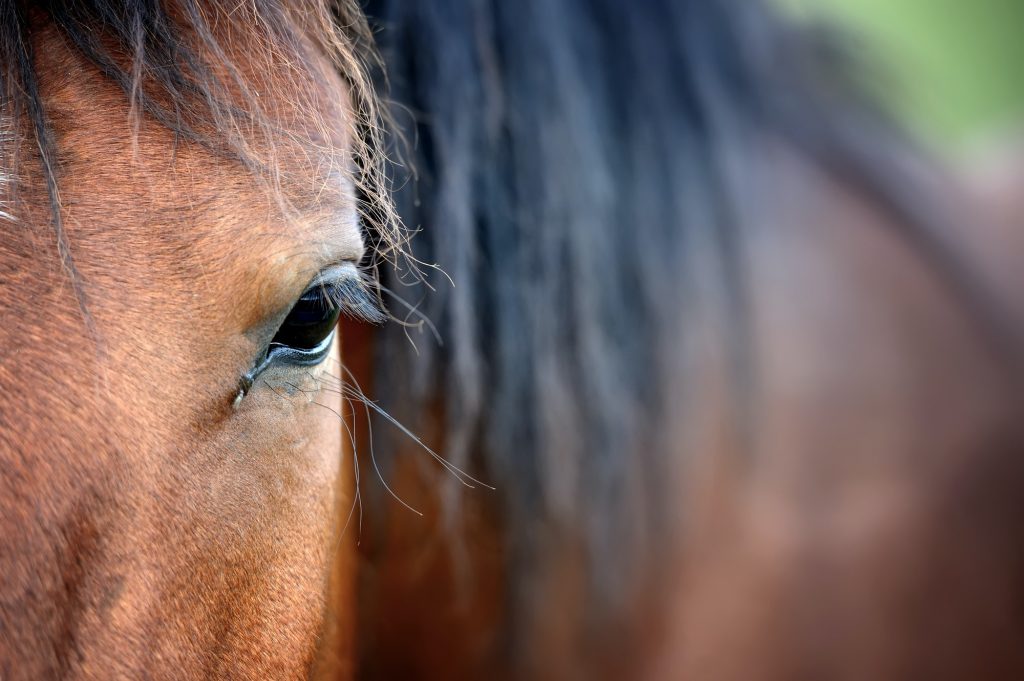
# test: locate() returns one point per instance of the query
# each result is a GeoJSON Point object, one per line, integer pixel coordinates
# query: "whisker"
{"type": "Point", "coordinates": [373, 455]}
{"type": "Point", "coordinates": [357, 499]}
{"type": "Point", "coordinates": [459, 474]}
{"type": "Point", "coordinates": [370, 438]}
{"type": "Point", "coordinates": [350, 393]}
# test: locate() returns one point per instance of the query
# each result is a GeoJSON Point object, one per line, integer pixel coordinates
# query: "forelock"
{"type": "Point", "coordinates": [207, 71]}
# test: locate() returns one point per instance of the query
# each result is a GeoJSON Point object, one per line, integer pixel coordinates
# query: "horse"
{"type": "Point", "coordinates": [739, 357]}
{"type": "Point", "coordinates": [743, 389]}
{"type": "Point", "coordinates": [185, 187]}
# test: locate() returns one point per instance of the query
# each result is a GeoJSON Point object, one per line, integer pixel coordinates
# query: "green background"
{"type": "Point", "coordinates": [954, 69]}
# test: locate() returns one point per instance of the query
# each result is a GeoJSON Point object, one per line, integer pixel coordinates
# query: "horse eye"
{"type": "Point", "coordinates": [305, 335]}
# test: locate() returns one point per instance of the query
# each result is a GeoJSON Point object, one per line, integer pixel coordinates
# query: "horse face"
{"type": "Point", "coordinates": [170, 472]}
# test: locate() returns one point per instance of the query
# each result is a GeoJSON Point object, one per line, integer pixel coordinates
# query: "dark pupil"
{"type": "Point", "coordinates": [309, 323]}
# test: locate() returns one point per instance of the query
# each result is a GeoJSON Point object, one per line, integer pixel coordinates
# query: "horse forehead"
{"type": "Point", "coordinates": [302, 100]}
{"type": "Point", "coordinates": [159, 188]}
{"type": "Point", "coordinates": [143, 208]}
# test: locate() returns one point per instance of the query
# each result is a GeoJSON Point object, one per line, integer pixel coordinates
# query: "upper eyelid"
{"type": "Point", "coordinates": [334, 272]}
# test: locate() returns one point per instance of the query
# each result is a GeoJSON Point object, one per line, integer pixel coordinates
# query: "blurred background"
{"type": "Point", "coordinates": [953, 67]}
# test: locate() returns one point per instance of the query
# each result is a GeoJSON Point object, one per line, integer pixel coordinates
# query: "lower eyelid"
{"type": "Point", "coordinates": [289, 355]}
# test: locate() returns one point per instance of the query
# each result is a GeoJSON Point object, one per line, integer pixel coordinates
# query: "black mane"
{"type": "Point", "coordinates": [573, 163]}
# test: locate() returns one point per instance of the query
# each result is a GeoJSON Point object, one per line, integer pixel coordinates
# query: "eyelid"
{"type": "Point", "coordinates": [277, 352]}
{"type": "Point", "coordinates": [334, 273]}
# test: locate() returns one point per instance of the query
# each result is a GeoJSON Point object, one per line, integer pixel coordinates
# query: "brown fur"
{"type": "Point", "coordinates": [150, 530]}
